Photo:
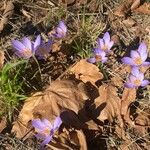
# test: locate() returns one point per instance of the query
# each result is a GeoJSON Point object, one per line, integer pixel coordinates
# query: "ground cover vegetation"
{"type": "Point", "coordinates": [74, 74]}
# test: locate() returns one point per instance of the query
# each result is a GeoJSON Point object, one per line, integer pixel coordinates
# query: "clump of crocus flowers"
{"type": "Point", "coordinates": [27, 48]}
{"type": "Point", "coordinates": [45, 130]}
{"type": "Point", "coordinates": [136, 79]}
{"type": "Point", "coordinates": [60, 30]}
{"type": "Point", "coordinates": [104, 46]}
{"type": "Point", "coordinates": [136, 60]}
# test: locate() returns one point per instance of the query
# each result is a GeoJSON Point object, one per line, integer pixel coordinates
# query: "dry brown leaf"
{"type": "Point", "coordinates": [142, 119]}
{"type": "Point", "coordinates": [115, 38]}
{"type": "Point", "coordinates": [72, 140]}
{"type": "Point", "coordinates": [128, 97]}
{"type": "Point", "coordinates": [6, 14]}
{"type": "Point", "coordinates": [56, 46]}
{"type": "Point", "coordinates": [135, 4]}
{"type": "Point", "coordinates": [129, 22]}
{"type": "Point", "coordinates": [79, 138]}
{"type": "Point", "coordinates": [123, 8]}
{"type": "Point", "coordinates": [62, 97]}
{"type": "Point", "coordinates": [2, 58]}
{"type": "Point", "coordinates": [129, 145]}
{"type": "Point", "coordinates": [107, 105]}
{"type": "Point", "coordinates": [86, 72]}
{"type": "Point", "coordinates": [2, 124]}
{"type": "Point", "coordinates": [144, 9]}
{"type": "Point", "coordinates": [117, 81]}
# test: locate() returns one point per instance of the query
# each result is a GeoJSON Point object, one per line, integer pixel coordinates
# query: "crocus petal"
{"type": "Point", "coordinates": [97, 51]}
{"type": "Point", "coordinates": [144, 83]}
{"type": "Point", "coordinates": [110, 45]}
{"type": "Point", "coordinates": [134, 54]}
{"type": "Point", "coordinates": [19, 54]}
{"type": "Point", "coordinates": [128, 61]}
{"type": "Point", "coordinates": [62, 26]}
{"type": "Point", "coordinates": [135, 71]}
{"type": "Point", "coordinates": [104, 59]}
{"type": "Point", "coordinates": [100, 43]}
{"type": "Point", "coordinates": [27, 43]}
{"type": "Point", "coordinates": [91, 60]}
{"type": "Point", "coordinates": [141, 76]}
{"type": "Point", "coordinates": [144, 56]}
{"type": "Point", "coordinates": [129, 85]}
{"type": "Point", "coordinates": [18, 45]}
{"type": "Point", "coordinates": [142, 49]}
{"type": "Point", "coordinates": [37, 43]}
{"type": "Point", "coordinates": [102, 53]}
{"type": "Point", "coordinates": [60, 32]}
{"type": "Point", "coordinates": [106, 38]}
{"type": "Point", "coordinates": [47, 140]}
{"type": "Point", "coordinates": [57, 123]}
{"type": "Point", "coordinates": [132, 78]}
{"type": "Point", "coordinates": [47, 123]}
{"type": "Point", "coordinates": [37, 123]}
{"type": "Point", "coordinates": [57, 35]}
{"type": "Point", "coordinates": [146, 63]}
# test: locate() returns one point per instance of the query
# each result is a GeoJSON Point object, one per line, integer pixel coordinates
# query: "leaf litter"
{"type": "Point", "coordinates": [84, 106]}
{"type": "Point", "coordinates": [68, 98]}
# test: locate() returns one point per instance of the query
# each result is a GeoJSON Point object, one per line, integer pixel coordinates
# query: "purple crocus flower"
{"type": "Point", "coordinates": [105, 43]}
{"type": "Point", "coordinates": [45, 130]}
{"type": "Point", "coordinates": [137, 58]}
{"type": "Point", "coordinates": [61, 30]}
{"type": "Point", "coordinates": [43, 50]}
{"type": "Point", "coordinates": [136, 79]}
{"type": "Point", "coordinates": [26, 48]}
{"type": "Point", "coordinates": [99, 56]}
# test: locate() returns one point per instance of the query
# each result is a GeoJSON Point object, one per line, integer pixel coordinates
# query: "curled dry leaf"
{"type": "Point", "coordinates": [123, 8]}
{"type": "Point", "coordinates": [128, 97]}
{"type": "Point", "coordinates": [72, 140]}
{"type": "Point", "coordinates": [2, 124]}
{"type": "Point", "coordinates": [86, 72]}
{"type": "Point", "coordinates": [144, 9]}
{"type": "Point", "coordinates": [135, 4]}
{"type": "Point", "coordinates": [6, 14]}
{"type": "Point", "coordinates": [107, 105]}
{"type": "Point", "coordinates": [2, 58]}
{"type": "Point", "coordinates": [62, 98]}
{"type": "Point", "coordinates": [143, 119]}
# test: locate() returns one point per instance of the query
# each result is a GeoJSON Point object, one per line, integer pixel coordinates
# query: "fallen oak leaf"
{"type": "Point", "coordinates": [86, 72]}
{"type": "Point", "coordinates": [62, 97]}
{"type": "Point", "coordinates": [74, 139]}
{"type": "Point", "coordinates": [128, 97]}
{"type": "Point", "coordinates": [107, 105]}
